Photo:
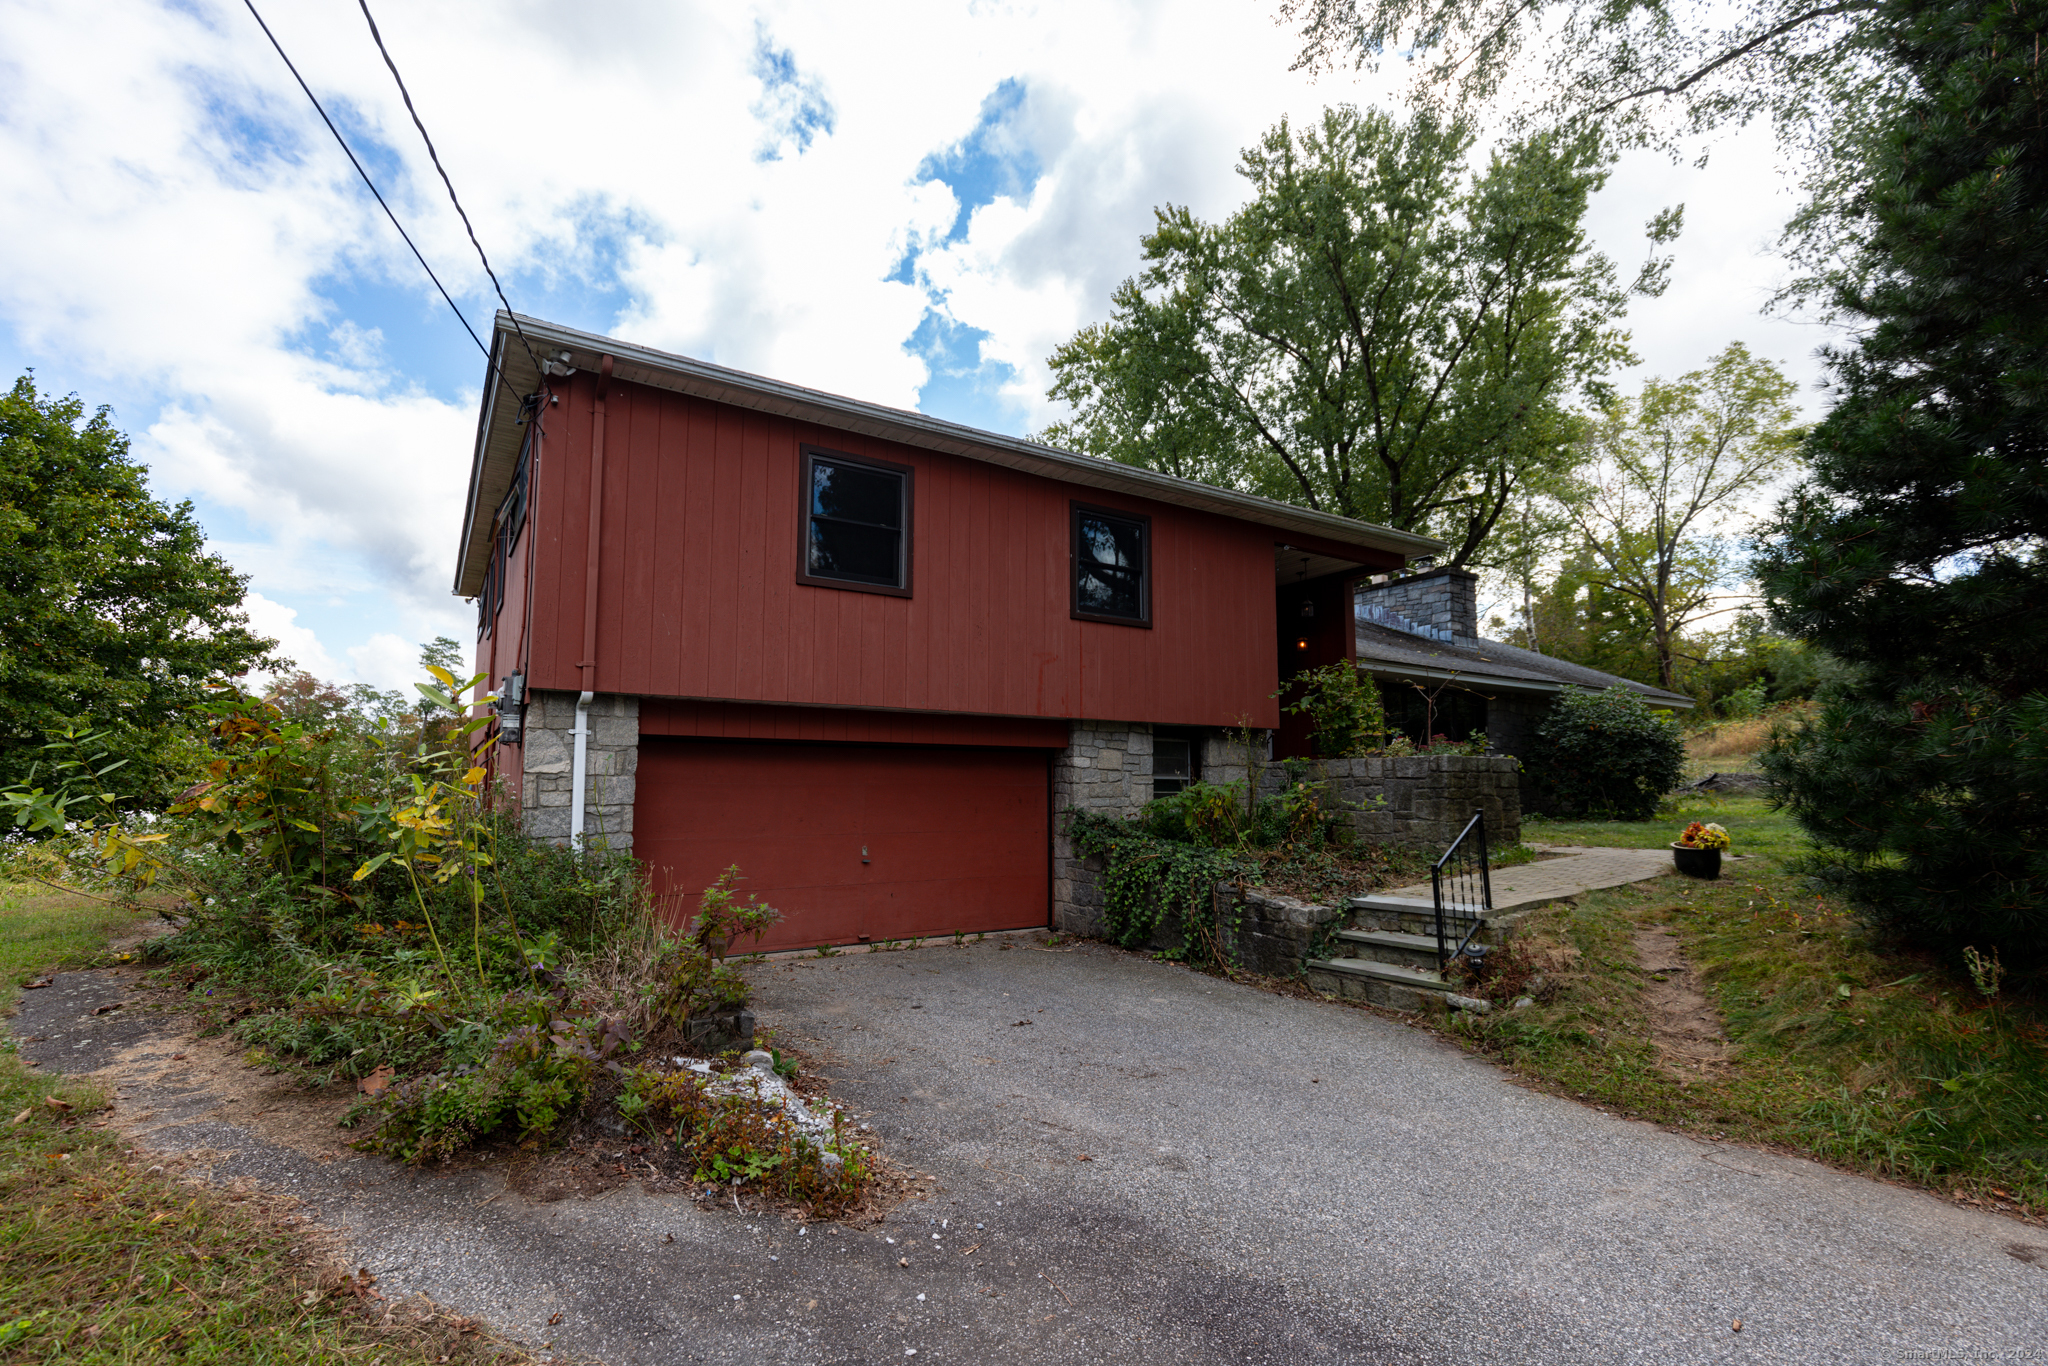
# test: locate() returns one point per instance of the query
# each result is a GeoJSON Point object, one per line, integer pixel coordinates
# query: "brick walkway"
{"type": "Point", "coordinates": [1581, 870]}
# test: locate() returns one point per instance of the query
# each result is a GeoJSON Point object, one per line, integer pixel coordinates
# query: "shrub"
{"type": "Point", "coordinates": [1605, 754]}
{"type": "Point", "coordinates": [1343, 707]}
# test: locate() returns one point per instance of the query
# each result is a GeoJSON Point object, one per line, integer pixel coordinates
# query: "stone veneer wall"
{"type": "Point", "coordinates": [1428, 797]}
{"type": "Point", "coordinates": [613, 757]}
{"type": "Point", "coordinates": [1106, 767]}
{"type": "Point", "coordinates": [1445, 598]}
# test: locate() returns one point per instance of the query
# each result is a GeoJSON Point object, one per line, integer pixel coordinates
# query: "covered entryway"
{"type": "Point", "coordinates": [852, 843]}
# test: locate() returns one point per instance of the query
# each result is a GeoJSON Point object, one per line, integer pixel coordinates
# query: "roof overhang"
{"type": "Point", "coordinates": [1477, 682]}
{"type": "Point", "coordinates": [499, 437]}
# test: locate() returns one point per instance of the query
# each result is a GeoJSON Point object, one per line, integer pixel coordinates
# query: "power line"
{"type": "Point", "coordinates": [378, 38]}
{"type": "Point", "coordinates": [366, 179]}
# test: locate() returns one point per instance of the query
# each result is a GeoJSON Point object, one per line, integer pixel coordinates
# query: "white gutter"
{"type": "Point", "coordinates": [579, 770]}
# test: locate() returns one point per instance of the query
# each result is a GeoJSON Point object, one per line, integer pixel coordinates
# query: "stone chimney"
{"type": "Point", "coordinates": [1445, 599]}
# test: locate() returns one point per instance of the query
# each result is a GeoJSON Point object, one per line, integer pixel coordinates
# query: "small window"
{"type": "Point", "coordinates": [1112, 566]}
{"type": "Point", "coordinates": [856, 524]}
{"type": "Point", "coordinates": [1173, 764]}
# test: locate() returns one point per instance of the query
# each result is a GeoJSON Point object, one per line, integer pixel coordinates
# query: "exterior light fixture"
{"type": "Point", "coordinates": [1301, 644]}
{"type": "Point", "coordinates": [1308, 609]}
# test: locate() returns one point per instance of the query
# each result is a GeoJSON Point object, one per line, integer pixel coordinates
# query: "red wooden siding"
{"type": "Point", "coordinates": [698, 599]}
{"type": "Point", "coordinates": [744, 721]}
{"type": "Point", "coordinates": [956, 838]}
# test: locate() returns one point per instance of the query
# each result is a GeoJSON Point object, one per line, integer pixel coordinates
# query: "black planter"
{"type": "Point", "coordinates": [1700, 863]}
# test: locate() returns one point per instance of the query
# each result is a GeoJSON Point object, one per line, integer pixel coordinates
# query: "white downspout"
{"type": "Point", "coordinates": [579, 770]}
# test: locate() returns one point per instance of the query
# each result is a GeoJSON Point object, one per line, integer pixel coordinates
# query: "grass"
{"type": "Point", "coordinates": [105, 1261]}
{"type": "Point", "coordinates": [1840, 1046]}
{"type": "Point", "coordinates": [41, 928]}
{"type": "Point", "coordinates": [1753, 828]}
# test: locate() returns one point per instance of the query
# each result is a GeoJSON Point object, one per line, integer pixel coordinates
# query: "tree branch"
{"type": "Point", "coordinates": [1736, 53]}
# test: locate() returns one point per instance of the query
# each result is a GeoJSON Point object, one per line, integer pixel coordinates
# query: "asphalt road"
{"type": "Point", "coordinates": [1266, 1180]}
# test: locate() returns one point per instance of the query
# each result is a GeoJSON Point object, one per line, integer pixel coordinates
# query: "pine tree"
{"type": "Point", "coordinates": [1915, 551]}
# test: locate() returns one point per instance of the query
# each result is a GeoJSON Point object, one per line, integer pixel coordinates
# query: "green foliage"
{"type": "Point", "coordinates": [1150, 883]}
{"type": "Point", "coordinates": [536, 1074]}
{"type": "Point", "coordinates": [108, 1260]}
{"type": "Point", "coordinates": [1372, 335]}
{"type": "Point", "coordinates": [726, 1137]}
{"type": "Point", "coordinates": [1642, 75]}
{"type": "Point", "coordinates": [117, 618]}
{"type": "Point", "coordinates": [1669, 470]}
{"type": "Point", "coordinates": [1604, 754]}
{"type": "Point", "coordinates": [1915, 553]}
{"type": "Point", "coordinates": [689, 975]}
{"type": "Point", "coordinates": [1343, 707]}
{"type": "Point", "coordinates": [1161, 867]}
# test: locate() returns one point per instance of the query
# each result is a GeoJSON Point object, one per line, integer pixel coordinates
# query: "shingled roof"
{"type": "Point", "coordinates": [1487, 664]}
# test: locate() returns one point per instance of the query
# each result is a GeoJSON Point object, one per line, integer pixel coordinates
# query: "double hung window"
{"type": "Point", "coordinates": [856, 524]}
{"type": "Point", "coordinates": [1112, 566]}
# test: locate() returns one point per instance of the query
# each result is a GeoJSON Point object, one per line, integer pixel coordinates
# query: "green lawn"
{"type": "Point", "coordinates": [41, 928]}
{"type": "Point", "coordinates": [1753, 828]}
{"type": "Point", "coordinates": [104, 1262]}
{"type": "Point", "coordinates": [1841, 1045]}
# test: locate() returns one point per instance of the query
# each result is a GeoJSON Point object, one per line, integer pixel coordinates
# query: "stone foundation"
{"type": "Point", "coordinates": [612, 758]}
{"type": "Point", "coordinates": [1107, 768]}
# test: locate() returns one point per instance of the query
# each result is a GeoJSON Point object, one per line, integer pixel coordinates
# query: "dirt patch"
{"type": "Point", "coordinates": [1684, 1024]}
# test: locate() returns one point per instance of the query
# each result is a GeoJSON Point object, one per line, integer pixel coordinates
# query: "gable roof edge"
{"type": "Point", "coordinates": [701, 379]}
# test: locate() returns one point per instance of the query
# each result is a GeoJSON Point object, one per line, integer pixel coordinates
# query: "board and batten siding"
{"type": "Point", "coordinates": [698, 596]}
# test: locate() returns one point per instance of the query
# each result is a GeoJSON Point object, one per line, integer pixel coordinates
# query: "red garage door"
{"type": "Point", "coordinates": [851, 843]}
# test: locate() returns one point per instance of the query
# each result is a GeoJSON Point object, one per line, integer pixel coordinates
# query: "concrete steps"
{"type": "Point", "coordinates": [1382, 984]}
{"type": "Point", "coordinates": [1388, 954]}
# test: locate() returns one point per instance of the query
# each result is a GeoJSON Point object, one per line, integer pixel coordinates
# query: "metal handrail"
{"type": "Point", "coordinates": [1457, 868]}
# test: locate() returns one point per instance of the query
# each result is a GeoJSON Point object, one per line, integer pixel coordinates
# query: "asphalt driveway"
{"type": "Point", "coordinates": [1135, 1163]}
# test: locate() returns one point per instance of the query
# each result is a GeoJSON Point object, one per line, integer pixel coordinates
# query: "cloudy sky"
{"type": "Point", "coordinates": [912, 204]}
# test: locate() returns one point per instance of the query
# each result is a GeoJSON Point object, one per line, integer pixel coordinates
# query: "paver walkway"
{"type": "Point", "coordinates": [1581, 870]}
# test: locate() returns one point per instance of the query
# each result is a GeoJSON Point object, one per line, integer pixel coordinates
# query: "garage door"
{"type": "Point", "coordinates": [852, 843]}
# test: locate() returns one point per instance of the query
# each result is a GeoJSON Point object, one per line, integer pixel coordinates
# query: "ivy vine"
{"type": "Point", "coordinates": [1148, 883]}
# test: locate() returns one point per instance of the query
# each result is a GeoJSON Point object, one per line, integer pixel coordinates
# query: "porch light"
{"type": "Point", "coordinates": [1301, 644]}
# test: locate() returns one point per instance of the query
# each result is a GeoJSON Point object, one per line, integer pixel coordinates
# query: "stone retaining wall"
{"type": "Point", "coordinates": [1422, 799]}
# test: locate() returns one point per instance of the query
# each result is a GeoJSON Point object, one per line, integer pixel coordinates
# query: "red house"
{"type": "Point", "coordinates": [865, 654]}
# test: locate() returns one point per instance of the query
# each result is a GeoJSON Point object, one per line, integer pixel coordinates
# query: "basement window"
{"type": "Point", "coordinates": [856, 524]}
{"type": "Point", "coordinates": [1112, 565]}
{"type": "Point", "coordinates": [1175, 764]}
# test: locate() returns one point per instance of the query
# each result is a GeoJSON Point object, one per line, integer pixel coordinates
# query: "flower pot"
{"type": "Point", "coordinates": [1700, 863]}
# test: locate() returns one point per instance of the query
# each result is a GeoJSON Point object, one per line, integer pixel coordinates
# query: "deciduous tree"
{"type": "Point", "coordinates": [113, 616]}
{"type": "Point", "coordinates": [1670, 473]}
{"type": "Point", "coordinates": [1378, 333]}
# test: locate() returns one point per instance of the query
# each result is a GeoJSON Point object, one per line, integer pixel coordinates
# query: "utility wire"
{"type": "Point", "coordinates": [436, 156]}
{"type": "Point", "coordinates": [366, 179]}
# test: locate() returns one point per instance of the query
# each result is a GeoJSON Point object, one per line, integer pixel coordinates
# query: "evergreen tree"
{"type": "Point", "coordinates": [1914, 553]}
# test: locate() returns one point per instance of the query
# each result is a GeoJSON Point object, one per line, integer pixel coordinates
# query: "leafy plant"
{"type": "Point", "coordinates": [1343, 706]}
{"type": "Point", "coordinates": [1604, 753]}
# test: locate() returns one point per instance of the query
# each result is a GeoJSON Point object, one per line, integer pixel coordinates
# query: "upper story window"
{"type": "Point", "coordinates": [856, 523]}
{"type": "Point", "coordinates": [1112, 564]}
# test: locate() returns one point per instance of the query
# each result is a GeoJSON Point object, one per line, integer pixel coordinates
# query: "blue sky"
{"type": "Point", "coordinates": [914, 212]}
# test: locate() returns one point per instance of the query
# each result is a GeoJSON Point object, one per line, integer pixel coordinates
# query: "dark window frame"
{"type": "Point", "coordinates": [1193, 739]}
{"type": "Point", "coordinates": [904, 557]}
{"type": "Point", "coordinates": [1076, 511]}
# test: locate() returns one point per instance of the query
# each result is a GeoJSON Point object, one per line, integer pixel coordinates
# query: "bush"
{"type": "Point", "coordinates": [1605, 754]}
{"type": "Point", "coordinates": [1346, 716]}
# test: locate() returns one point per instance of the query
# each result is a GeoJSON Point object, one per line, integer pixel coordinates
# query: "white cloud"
{"type": "Point", "coordinates": [387, 661]}
{"type": "Point", "coordinates": [735, 182]}
{"type": "Point", "coordinates": [294, 642]}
